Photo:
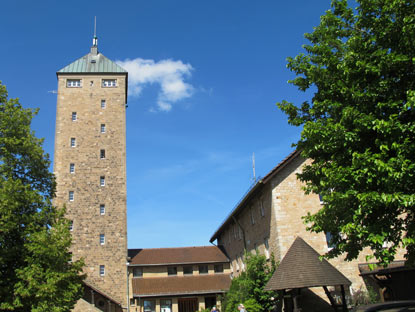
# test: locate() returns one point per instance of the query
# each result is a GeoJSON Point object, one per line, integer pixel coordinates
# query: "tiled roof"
{"type": "Point", "coordinates": [93, 62]}
{"type": "Point", "coordinates": [181, 285]}
{"type": "Point", "coordinates": [179, 255]}
{"type": "Point", "coordinates": [257, 186]}
{"type": "Point", "coordinates": [302, 268]}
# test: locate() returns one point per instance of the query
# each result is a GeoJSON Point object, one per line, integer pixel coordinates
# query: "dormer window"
{"type": "Point", "coordinates": [109, 83]}
{"type": "Point", "coordinates": [73, 83]}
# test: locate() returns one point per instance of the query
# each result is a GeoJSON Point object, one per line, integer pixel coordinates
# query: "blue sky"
{"type": "Point", "coordinates": [206, 102]}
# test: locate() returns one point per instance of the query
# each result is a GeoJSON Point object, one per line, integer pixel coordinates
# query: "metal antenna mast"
{"type": "Point", "coordinates": [253, 165]}
{"type": "Point", "coordinates": [95, 40]}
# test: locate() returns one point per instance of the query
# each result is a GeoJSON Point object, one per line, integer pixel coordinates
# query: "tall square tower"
{"type": "Point", "coordinates": [90, 167]}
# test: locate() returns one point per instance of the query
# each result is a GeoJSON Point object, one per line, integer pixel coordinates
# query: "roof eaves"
{"type": "Point", "coordinates": [179, 293]}
{"type": "Point", "coordinates": [281, 165]}
{"type": "Point", "coordinates": [237, 208]}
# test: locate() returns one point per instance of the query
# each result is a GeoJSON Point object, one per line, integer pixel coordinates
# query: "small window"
{"type": "Point", "coordinates": [266, 247]}
{"type": "Point", "coordinates": [73, 83]}
{"type": "Point", "coordinates": [109, 83]}
{"type": "Point", "coordinates": [71, 168]}
{"type": "Point", "coordinates": [102, 209]}
{"type": "Point", "coordinates": [71, 225]}
{"type": "Point", "coordinates": [102, 270]}
{"type": "Point", "coordinates": [102, 181]}
{"type": "Point", "coordinates": [132, 302]}
{"type": "Point", "coordinates": [321, 199]}
{"type": "Point", "coordinates": [172, 270]}
{"type": "Point", "coordinates": [73, 142]}
{"type": "Point", "coordinates": [203, 269]}
{"type": "Point", "coordinates": [188, 270]}
{"type": "Point", "coordinates": [165, 305]}
{"type": "Point", "coordinates": [74, 117]}
{"type": "Point", "coordinates": [102, 239]}
{"type": "Point", "coordinates": [71, 196]}
{"type": "Point", "coordinates": [252, 216]}
{"type": "Point", "coordinates": [149, 305]}
{"type": "Point", "coordinates": [329, 240]}
{"type": "Point", "coordinates": [102, 128]}
{"type": "Point", "coordinates": [138, 272]}
{"type": "Point", "coordinates": [102, 154]}
{"type": "Point", "coordinates": [103, 104]}
{"type": "Point", "coordinates": [261, 208]}
{"type": "Point", "coordinates": [218, 268]}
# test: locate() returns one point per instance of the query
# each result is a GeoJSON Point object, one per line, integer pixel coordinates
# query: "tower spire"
{"type": "Point", "coordinates": [94, 48]}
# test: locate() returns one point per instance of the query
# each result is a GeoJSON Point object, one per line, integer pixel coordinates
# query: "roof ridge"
{"type": "Point", "coordinates": [188, 247]}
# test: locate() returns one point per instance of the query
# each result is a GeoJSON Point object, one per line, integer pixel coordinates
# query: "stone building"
{"type": "Point", "coordinates": [269, 218]}
{"type": "Point", "coordinates": [184, 279]}
{"type": "Point", "coordinates": [90, 169]}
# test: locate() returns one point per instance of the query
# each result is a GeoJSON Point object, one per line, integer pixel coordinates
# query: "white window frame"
{"type": "Point", "coordinates": [102, 154]}
{"type": "Point", "coordinates": [261, 207]}
{"type": "Point", "coordinates": [109, 83]}
{"type": "Point", "coordinates": [74, 116]}
{"type": "Point", "coordinates": [103, 128]}
{"type": "Point", "coordinates": [102, 270]}
{"type": "Point", "coordinates": [102, 209]}
{"type": "Point", "coordinates": [73, 83]}
{"type": "Point", "coordinates": [102, 239]}
{"type": "Point", "coordinates": [266, 247]}
{"type": "Point", "coordinates": [103, 104]}
{"type": "Point", "coordinates": [72, 168]}
{"type": "Point", "coordinates": [102, 180]}
{"type": "Point", "coordinates": [73, 142]}
{"type": "Point", "coordinates": [71, 196]}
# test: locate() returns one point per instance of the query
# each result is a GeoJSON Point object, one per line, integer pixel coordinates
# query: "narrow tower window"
{"type": "Point", "coordinates": [102, 181]}
{"type": "Point", "coordinates": [102, 209]}
{"type": "Point", "coordinates": [72, 168]}
{"type": "Point", "coordinates": [73, 142]}
{"type": "Point", "coordinates": [74, 116]}
{"type": "Point", "coordinates": [102, 154]}
{"type": "Point", "coordinates": [71, 225]}
{"type": "Point", "coordinates": [102, 270]}
{"type": "Point", "coordinates": [102, 128]}
{"type": "Point", "coordinates": [102, 239]}
{"type": "Point", "coordinates": [103, 104]}
{"type": "Point", "coordinates": [71, 196]}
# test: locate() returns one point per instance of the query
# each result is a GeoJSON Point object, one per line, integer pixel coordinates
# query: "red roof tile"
{"type": "Point", "coordinates": [180, 285]}
{"type": "Point", "coordinates": [180, 255]}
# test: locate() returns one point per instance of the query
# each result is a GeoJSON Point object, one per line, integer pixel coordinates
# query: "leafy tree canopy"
{"type": "Point", "coordinates": [359, 127]}
{"type": "Point", "coordinates": [248, 287]}
{"type": "Point", "coordinates": [36, 273]}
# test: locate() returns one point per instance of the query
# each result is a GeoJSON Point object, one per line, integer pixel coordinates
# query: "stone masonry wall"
{"type": "Point", "coordinates": [84, 210]}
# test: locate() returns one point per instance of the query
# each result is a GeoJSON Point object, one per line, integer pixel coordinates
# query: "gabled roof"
{"type": "Point", "coordinates": [93, 62]}
{"type": "Point", "coordinates": [179, 255]}
{"type": "Point", "coordinates": [301, 267]}
{"type": "Point", "coordinates": [181, 285]}
{"type": "Point", "coordinates": [254, 188]}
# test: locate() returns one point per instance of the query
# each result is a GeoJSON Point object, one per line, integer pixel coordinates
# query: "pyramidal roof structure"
{"type": "Point", "coordinates": [93, 62]}
{"type": "Point", "coordinates": [301, 267]}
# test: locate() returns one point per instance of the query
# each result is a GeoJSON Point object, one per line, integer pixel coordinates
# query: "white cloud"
{"type": "Point", "coordinates": [169, 74]}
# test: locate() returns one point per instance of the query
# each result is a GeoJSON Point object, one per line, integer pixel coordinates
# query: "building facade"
{"type": "Point", "coordinates": [185, 279]}
{"type": "Point", "coordinates": [90, 170]}
{"type": "Point", "coordinates": [269, 218]}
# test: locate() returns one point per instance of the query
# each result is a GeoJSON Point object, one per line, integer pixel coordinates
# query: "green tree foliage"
{"type": "Point", "coordinates": [248, 287]}
{"type": "Point", "coordinates": [359, 127]}
{"type": "Point", "coordinates": [36, 273]}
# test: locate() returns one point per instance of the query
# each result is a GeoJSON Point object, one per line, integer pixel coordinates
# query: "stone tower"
{"type": "Point", "coordinates": [90, 169]}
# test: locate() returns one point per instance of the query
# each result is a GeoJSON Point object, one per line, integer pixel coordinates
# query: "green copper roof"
{"type": "Point", "coordinates": [93, 62]}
